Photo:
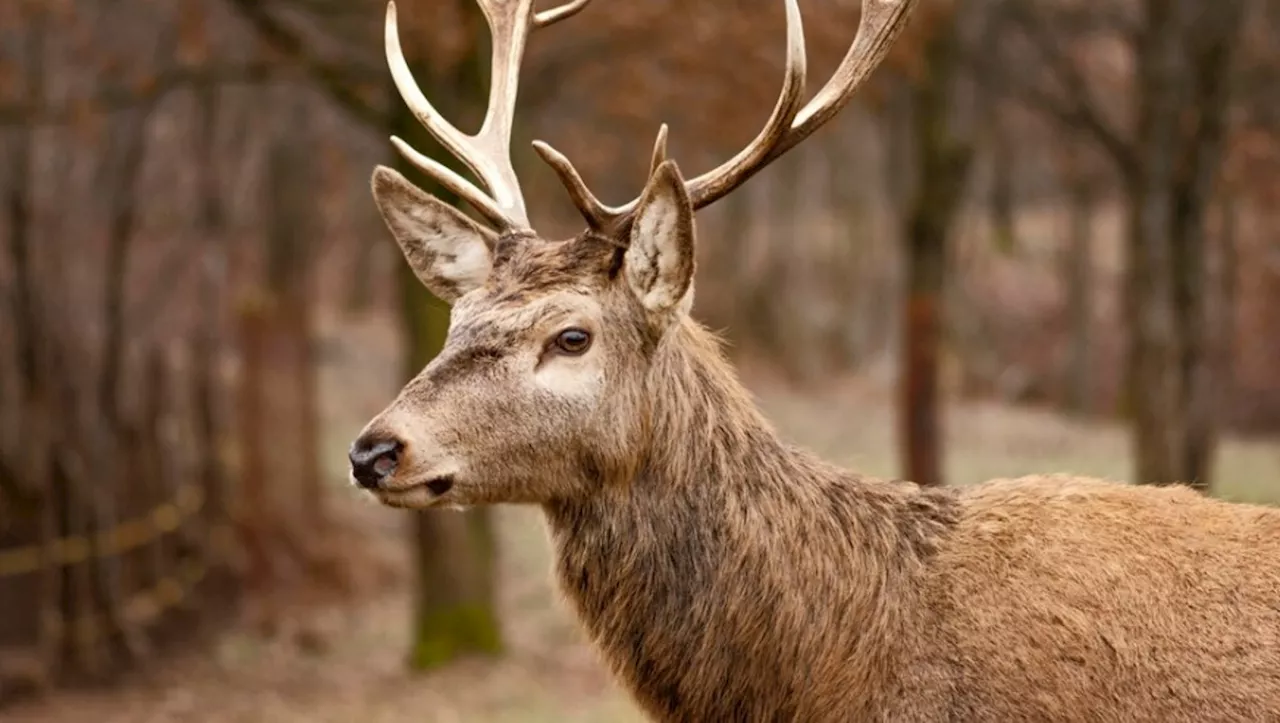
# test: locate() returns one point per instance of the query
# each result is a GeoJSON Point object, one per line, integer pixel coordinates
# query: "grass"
{"type": "Point", "coordinates": [854, 427]}
{"type": "Point", "coordinates": [549, 673]}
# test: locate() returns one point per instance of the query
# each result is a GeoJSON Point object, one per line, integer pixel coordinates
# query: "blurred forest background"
{"type": "Point", "coordinates": [1046, 237]}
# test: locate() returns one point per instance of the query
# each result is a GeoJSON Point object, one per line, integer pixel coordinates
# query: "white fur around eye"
{"type": "Point", "coordinates": [569, 377]}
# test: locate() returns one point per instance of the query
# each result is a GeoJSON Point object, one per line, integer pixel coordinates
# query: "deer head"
{"type": "Point", "coordinates": [542, 388]}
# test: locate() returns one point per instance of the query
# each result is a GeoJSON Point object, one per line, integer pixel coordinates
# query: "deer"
{"type": "Point", "coordinates": [725, 574]}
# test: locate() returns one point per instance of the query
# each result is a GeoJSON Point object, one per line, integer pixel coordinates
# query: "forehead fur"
{"type": "Point", "coordinates": [525, 267]}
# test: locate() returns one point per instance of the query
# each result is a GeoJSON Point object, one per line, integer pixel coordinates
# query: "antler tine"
{"type": "Point", "coordinates": [556, 14]}
{"type": "Point", "coordinates": [599, 217]}
{"type": "Point", "coordinates": [717, 182]}
{"type": "Point", "coordinates": [881, 23]}
{"type": "Point", "coordinates": [659, 150]}
{"type": "Point", "coordinates": [488, 152]}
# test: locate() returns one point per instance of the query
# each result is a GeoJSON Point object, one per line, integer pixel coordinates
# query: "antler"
{"type": "Point", "coordinates": [488, 152]}
{"type": "Point", "coordinates": [882, 22]}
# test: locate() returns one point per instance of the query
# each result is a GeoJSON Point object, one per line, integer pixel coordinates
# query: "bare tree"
{"type": "Point", "coordinates": [1167, 151]}
{"type": "Point", "coordinates": [941, 141]}
{"type": "Point", "coordinates": [1079, 179]}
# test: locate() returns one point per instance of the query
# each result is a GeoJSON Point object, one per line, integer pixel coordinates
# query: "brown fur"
{"type": "Point", "coordinates": [729, 576]}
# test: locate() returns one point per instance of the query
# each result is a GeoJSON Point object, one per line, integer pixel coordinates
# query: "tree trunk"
{"type": "Point", "coordinates": [719, 295]}
{"type": "Point", "coordinates": [454, 608]}
{"type": "Point", "coordinates": [1152, 384]}
{"type": "Point", "coordinates": [926, 258]}
{"type": "Point", "coordinates": [942, 162]}
{"type": "Point", "coordinates": [1228, 288]}
{"type": "Point", "coordinates": [26, 486]}
{"type": "Point", "coordinates": [1002, 202]}
{"type": "Point", "coordinates": [1079, 272]}
{"type": "Point", "coordinates": [251, 515]}
{"type": "Point", "coordinates": [1196, 287]}
{"type": "Point", "coordinates": [789, 333]}
{"type": "Point", "coordinates": [131, 139]}
{"type": "Point", "coordinates": [209, 337]}
{"type": "Point", "coordinates": [1192, 302]}
{"type": "Point", "coordinates": [848, 223]}
{"type": "Point", "coordinates": [290, 269]}
{"type": "Point", "coordinates": [756, 272]}
{"type": "Point", "coordinates": [1171, 370]}
{"type": "Point", "coordinates": [1152, 388]}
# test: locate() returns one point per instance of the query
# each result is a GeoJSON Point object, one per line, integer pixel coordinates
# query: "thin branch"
{"type": "Point", "coordinates": [119, 98]}
{"type": "Point", "coordinates": [1079, 109]}
{"type": "Point", "coordinates": [1211, 71]}
{"type": "Point", "coordinates": [335, 80]}
{"type": "Point", "coordinates": [132, 140]}
{"type": "Point", "coordinates": [546, 75]}
{"type": "Point", "coordinates": [13, 493]}
{"type": "Point", "coordinates": [343, 10]}
{"type": "Point", "coordinates": [18, 215]}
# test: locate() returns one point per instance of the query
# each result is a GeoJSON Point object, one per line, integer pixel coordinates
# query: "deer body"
{"type": "Point", "coordinates": [728, 576]}
{"type": "Point", "coordinates": [738, 578]}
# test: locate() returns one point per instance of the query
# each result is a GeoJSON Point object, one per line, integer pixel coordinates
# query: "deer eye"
{"type": "Point", "coordinates": [573, 341]}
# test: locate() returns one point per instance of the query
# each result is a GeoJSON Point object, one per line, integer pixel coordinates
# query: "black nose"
{"type": "Point", "coordinates": [373, 461]}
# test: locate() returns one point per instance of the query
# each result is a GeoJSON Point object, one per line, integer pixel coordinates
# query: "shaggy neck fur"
{"type": "Point", "coordinates": [689, 575]}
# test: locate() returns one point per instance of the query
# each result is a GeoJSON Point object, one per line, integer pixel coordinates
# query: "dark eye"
{"type": "Point", "coordinates": [573, 341]}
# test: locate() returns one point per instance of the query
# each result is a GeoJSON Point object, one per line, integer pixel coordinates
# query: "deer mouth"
{"type": "Point", "coordinates": [438, 486]}
{"type": "Point", "coordinates": [419, 495]}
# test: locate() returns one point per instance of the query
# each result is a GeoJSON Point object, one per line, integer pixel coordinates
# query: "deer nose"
{"type": "Point", "coordinates": [373, 460]}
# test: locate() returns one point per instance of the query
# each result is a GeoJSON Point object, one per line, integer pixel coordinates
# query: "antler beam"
{"type": "Point", "coordinates": [488, 152]}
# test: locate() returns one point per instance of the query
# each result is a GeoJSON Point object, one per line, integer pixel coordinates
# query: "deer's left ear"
{"type": "Point", "coordinates": [659, 262]}
{"type": "Point", "coordinates": [447, 251]}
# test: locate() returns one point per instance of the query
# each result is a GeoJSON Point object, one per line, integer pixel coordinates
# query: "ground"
{"type": "Point", "coordinates": [349, 665]}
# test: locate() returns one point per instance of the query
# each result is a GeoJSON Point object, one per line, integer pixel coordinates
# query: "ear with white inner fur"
{"type": "Point", "coordinates": [659, 261]}
{"type": "Point", "coordinates": [447, 251]}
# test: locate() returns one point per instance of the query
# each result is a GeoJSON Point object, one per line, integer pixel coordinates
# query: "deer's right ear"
{"type": "Point", "coordinates": [447, 251]}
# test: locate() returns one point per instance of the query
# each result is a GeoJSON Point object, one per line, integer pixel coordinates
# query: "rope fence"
{"type": "Point", "coordinates": [127, 536]}
{"type": "Point", "coordinates": [142, 608]}
{"type": "Point", "coordinates": [171, 580]}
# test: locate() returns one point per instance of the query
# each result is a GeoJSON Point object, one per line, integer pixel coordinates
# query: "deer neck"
{"type": "Point", "coordinates": [689, 575]}
{"type": "Point", "coordinates": [705, 432]}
